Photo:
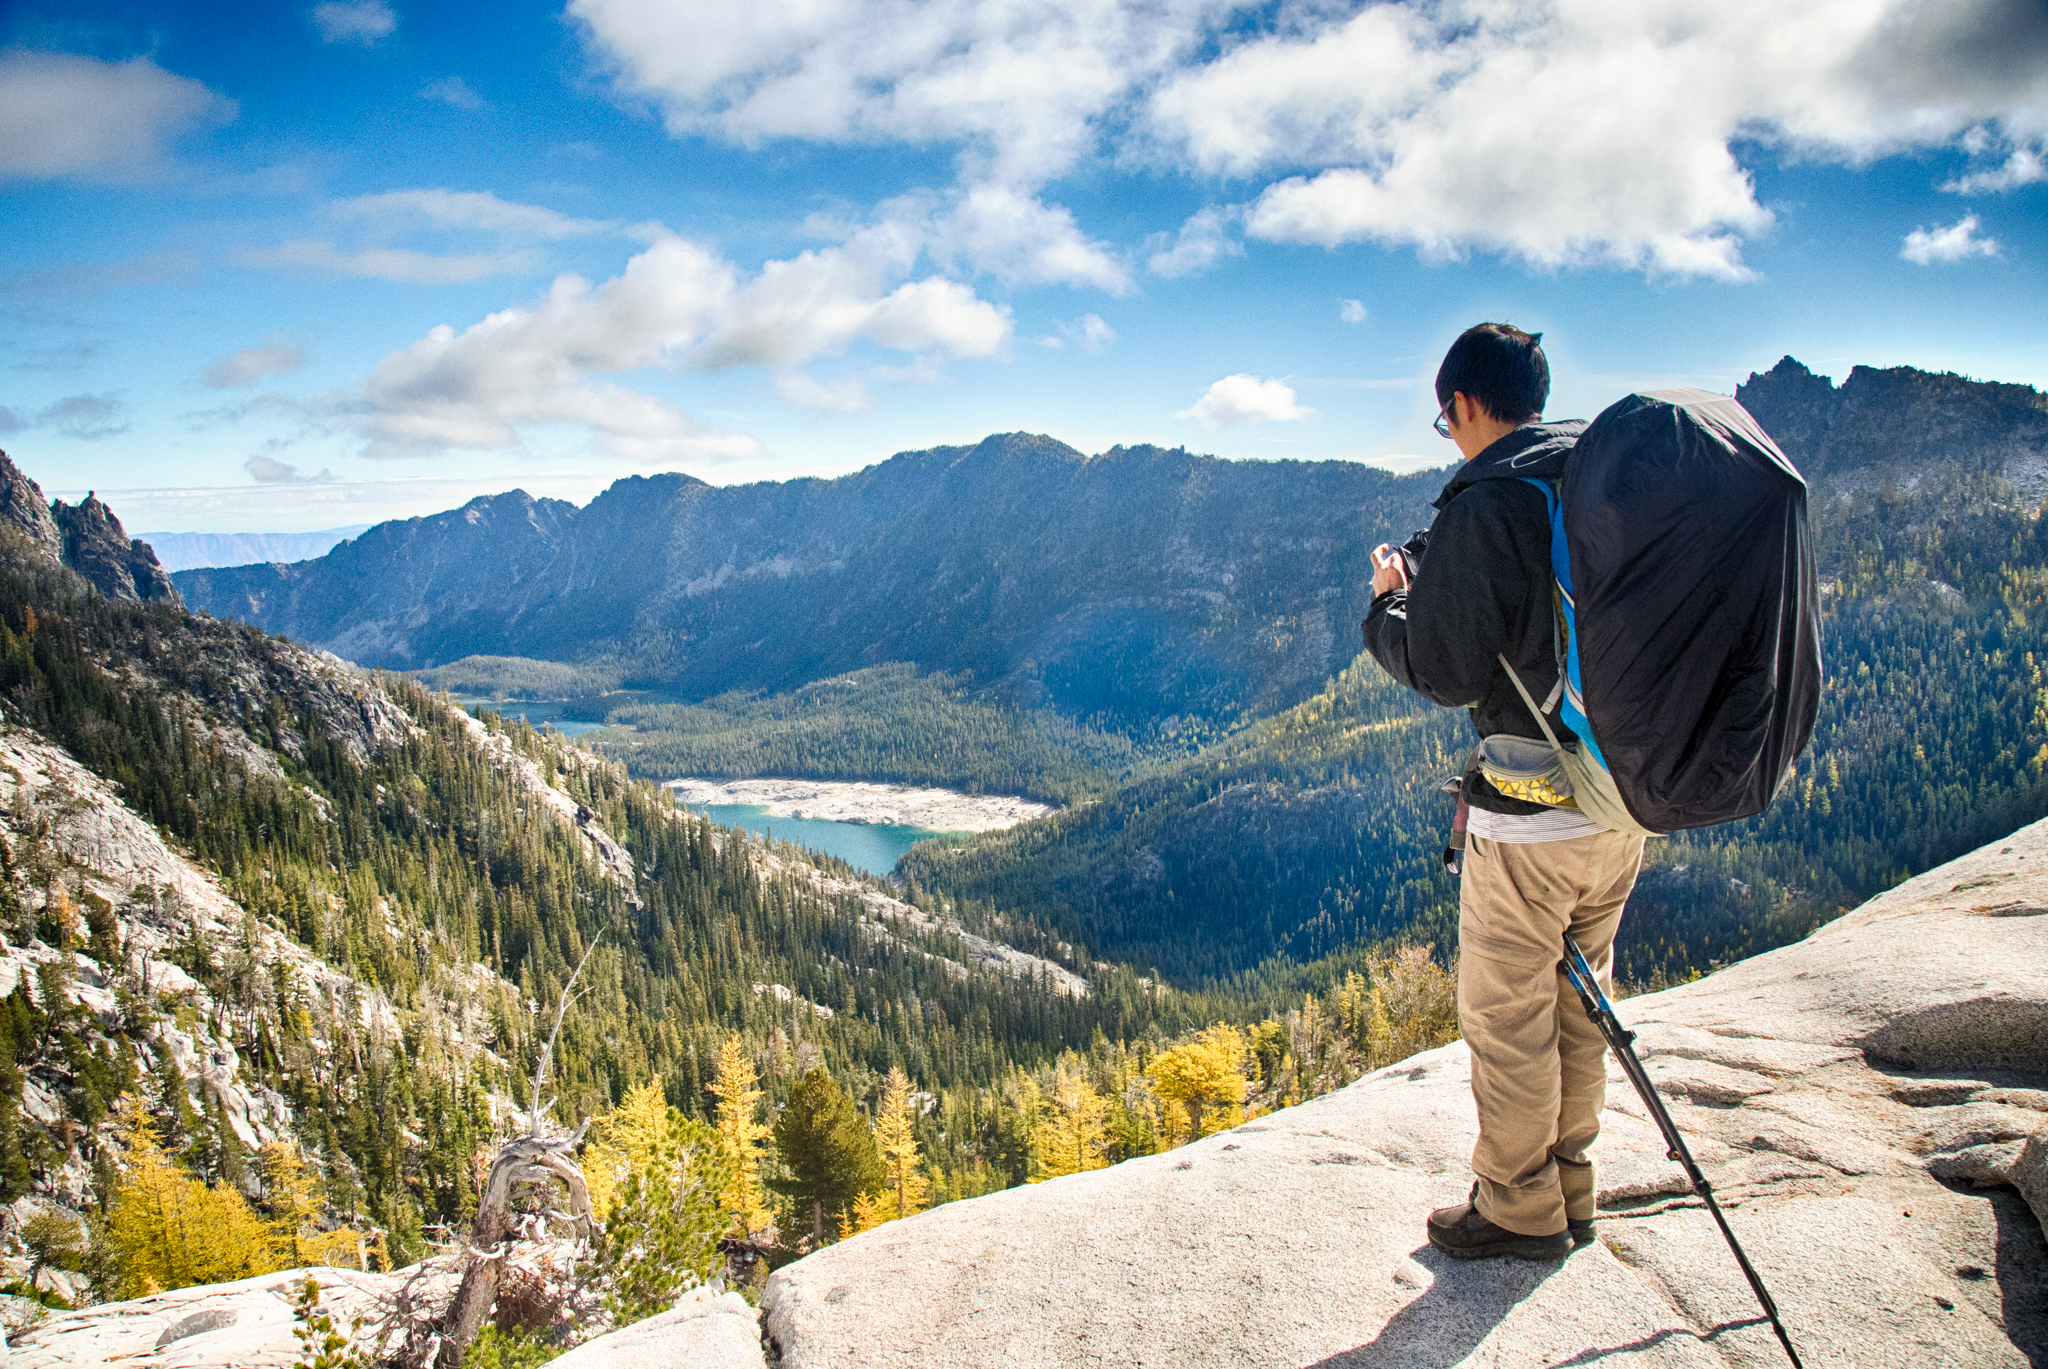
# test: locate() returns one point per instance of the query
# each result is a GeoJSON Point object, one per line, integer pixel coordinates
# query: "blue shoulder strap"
{"type": "Point", "coordinates": [1572, 707]}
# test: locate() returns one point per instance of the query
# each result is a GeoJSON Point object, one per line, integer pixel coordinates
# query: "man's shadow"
{"type": "Point", "coordinates": [1446, 1321]}
{"type": "Point", "coordinates": [1463, 1303]}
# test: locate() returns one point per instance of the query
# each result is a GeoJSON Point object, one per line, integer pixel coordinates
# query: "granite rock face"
{"type": "Point", "coordinates": [87, 537]}
{"type": "Point", "coordinates": [23, 509]}
{"type": "Point", "coordinates": [1865, 1103]}
{"type": "Point", "coordinates": [247, 1323]}
{"type": "Point", "coordinates": [96, 546]}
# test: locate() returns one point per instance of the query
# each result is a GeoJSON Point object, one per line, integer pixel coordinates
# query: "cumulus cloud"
{"type": "Point", "coordinates": [1238, 400]}
{"type": "Point", "coordinates": [454, 92]}
{"type": "Point", "coordinates": [1021, 240]}
{"type": "Point", "coordinates": [1203, 241]}
{"type": "Point", "coordinates": [1352, 311]}
{"type": "Point", "coordinates": [2022, 166]}
{"type": "Point", "coordinates": [1019, 85]}
{"type": "Point", "coordinates": [677, 304]}
{"type": "Point", "coordinates": [354, 21]}
{"type": "Point", "coordinates": [275, 355]}
{"type": "Point", "coordinates": [1585, 132]}
{"type": "Point", "coordinates": [63, 115]}
{"type": "Point", "coordinates": [1599, 132]}
{"type": "Point", "coordinates": [1926, 246]}
{"type": "Point", "coordinates": [393, 263]}
{"type": "Point", "coordinates": [439, 208]}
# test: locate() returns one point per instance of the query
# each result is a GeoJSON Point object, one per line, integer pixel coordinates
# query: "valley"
{"type": "Point", "coordinates": [1152, 849]}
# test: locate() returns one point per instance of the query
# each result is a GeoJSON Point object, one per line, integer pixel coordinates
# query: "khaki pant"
{"type": "Point", "coordinates": [1539, 1073]}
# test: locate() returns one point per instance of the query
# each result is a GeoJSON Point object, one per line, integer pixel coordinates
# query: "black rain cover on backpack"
{"type": "Point", "coordinates": [1696, 603]}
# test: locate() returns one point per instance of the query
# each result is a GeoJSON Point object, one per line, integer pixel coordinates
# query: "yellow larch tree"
{"type": "Point", "coordinates": [906, 1190]}
{"type": "Point", "coordinates": [741, 1135]}
{"type": "Point", "coordinates": [1073, 1130]}
{"type": "Point", "coordinates": [294, 1203]}
{"type": "Point", "coordinates": [169, 1230]}
{"type": "Point", "coordinates": [630, 1135]}
{"type": "Point", "coordinates": [1202, 1083]}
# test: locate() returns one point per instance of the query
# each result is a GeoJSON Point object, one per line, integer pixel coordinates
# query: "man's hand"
{"type": "Point", "coordinates": [1390, 570]}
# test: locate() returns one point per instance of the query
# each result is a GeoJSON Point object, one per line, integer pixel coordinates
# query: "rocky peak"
{"type": "Point", "coordinates": [22, 508]}
{"type": "Point", "coordinates": [98, 548]}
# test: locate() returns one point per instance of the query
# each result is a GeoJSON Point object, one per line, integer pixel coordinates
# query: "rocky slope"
{"type": "Point", "coordinates": [1142, 581]}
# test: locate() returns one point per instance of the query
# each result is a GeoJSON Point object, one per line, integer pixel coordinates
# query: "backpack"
{"type": "Point", "coordinates": [1687, 612]}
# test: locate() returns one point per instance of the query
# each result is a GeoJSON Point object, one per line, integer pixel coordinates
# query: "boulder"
{"type": "Point", "coordinates": [706, 1330]}
{"type": "Point", "coordinates": [247, 1324]}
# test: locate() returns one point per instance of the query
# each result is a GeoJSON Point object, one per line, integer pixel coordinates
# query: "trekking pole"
{"type": "Point", "coordinates": [1618, 1040]}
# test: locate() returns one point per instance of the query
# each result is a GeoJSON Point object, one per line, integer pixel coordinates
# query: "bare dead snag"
{"type": "Point", "coordinates": [533, 1159]}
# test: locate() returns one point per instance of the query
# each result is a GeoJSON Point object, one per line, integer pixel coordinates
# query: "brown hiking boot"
{"type": "Point", "coordinates": [1463, 1234]}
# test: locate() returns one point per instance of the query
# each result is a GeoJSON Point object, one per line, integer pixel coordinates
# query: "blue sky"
{"type": "Point", "coordinates": [274, 270]}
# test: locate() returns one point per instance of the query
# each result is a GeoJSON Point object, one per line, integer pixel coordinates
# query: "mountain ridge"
{"type": "Point", "coordinates": [1136, 583]}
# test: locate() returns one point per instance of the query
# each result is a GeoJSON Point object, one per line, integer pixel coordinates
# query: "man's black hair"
{"type": "Point", "coordinates": [1501, 367]}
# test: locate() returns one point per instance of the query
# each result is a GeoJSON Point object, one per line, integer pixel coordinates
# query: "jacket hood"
{"type": "Point", "coordinates": [1533, 450]}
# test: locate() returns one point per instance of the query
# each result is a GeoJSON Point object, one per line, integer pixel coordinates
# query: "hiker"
{"type": "Point", "coordinates": [1447, 610]}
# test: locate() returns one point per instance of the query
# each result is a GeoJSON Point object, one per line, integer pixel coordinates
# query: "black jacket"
{"type": "Point", "coordinates": [1483, 590]}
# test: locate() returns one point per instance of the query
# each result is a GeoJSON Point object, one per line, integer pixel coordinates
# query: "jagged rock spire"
{"type": "Point", "coordinates": [99, 548]}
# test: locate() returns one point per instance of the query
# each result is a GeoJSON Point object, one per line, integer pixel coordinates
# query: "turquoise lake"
{"type": "Point", "coordinates": [872, 848]}
{"type": "Point", "coordinates": [535, 713]}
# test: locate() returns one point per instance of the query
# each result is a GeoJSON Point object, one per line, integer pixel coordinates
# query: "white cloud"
{"type": "Point", "coordinates": [454, 92]}
{"type": "Point", "coordinates": [1018, 85]}
{"type": "Point", "coordinates": [1352, 311]}
{"type": "Point", "coordinates": [66, 115]}
{"type": "Point", "coordinates": [393, 263]}
{"type": "Point", "coordinates": [362, 21]}
{"type": "Point", "coordinates": [1574, 132]}
{"type": "Point", "coordinates": [1588, 131]}
{"type": "Point", "coordinates": [465, 209]}
{"type": "Point", "coordinates": [679, 305]}
{"type": "Point", "coordinates": [1203, 241]}
{"type": "Point", "coordinates": [1023, 241]}
{"type": "Point", "coordinates": [1235, 401]}
{"type": "Point", "coordinates": [2023, 166]}
{"type": "Point", "coordinates": [1925, 246]}
{"type": "Point", "coordinates": [275, 355]}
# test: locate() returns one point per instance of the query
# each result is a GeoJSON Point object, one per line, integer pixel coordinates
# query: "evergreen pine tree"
{"type": "Point", "coordinates": [832, 1157]}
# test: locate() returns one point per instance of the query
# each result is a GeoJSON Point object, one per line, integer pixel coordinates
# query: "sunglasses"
{"type": "Point", "coordinates": [1442, 426]}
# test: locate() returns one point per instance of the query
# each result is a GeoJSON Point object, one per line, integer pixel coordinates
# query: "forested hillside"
{"type": "Point", "coordinates": [280, 940]}
{"type": "Point", "coordinates": [1318, 831]}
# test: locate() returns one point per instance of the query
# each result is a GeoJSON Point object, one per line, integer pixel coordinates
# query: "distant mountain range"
{"type": "Point", "coordinates": [177, 551]}
{"type": "Point", "coordinates": [1132, 585]}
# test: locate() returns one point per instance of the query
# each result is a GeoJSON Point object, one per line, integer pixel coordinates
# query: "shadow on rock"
{"type": "Point", "coordinates": [1446, 1322]}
